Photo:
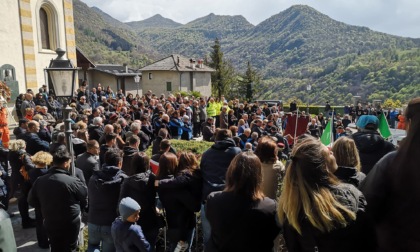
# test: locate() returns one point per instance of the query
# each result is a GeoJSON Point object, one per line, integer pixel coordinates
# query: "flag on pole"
{"type": "Point", "coordinates": [327, 136]}
{"type": "Point", "coordinates": [384, 126]}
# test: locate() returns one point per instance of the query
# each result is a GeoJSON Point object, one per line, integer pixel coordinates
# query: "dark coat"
{"type": "Point", "coordinates": [34, 143]}
{"type": "Point", "coordinates": [207, 130]}
{"type": "Point", "coordinates": [59, 196]}
{"type": "Point", "coordinates": [141, 188]}
{"type": "Point", "coordinates": [18, 132]}
{"type": "Point", "coordinates": [104, 191]}
{"type": "Point", "coordinates": [350, 175]}
{"type": "Point", "coordinates": [128, 166]}
{"type": "Point", "coordinates": [128, 236]}
{"type": "Point", "coordinates": [239, 224]}
{"type": "Point", "coordinates": [179, 208]}
{"type": "Point", "coordinates": [356, 236]}
{"type": "Point", "coordinates": [95, 132]}
{"type": "Point", "coordinates": [371, 147]}
{"type": "Point", "coordinates": [214, 164]}
{"type": "Point", "coordinates": [88, 163]}
{"type": "Point", "coordinates": [394, 214]}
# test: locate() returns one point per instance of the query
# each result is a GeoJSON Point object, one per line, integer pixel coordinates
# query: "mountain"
{"type": "Point", "coordinates": [106, 40]}
{"type": "Point", "coordinates": [157, 21]}
{"type": "Point", "coordinates": [290, 49]}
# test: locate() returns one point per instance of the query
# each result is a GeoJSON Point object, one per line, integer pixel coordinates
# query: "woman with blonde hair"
{"type": "Point", "coordinates": [271, 167]}
{"type": "Point", "coordinates": [41, 160]}
{"type": "Point", "coordinates": [241, 218]}
{"type": "Point", "coordinates": [348, 161]}
{"type": "Point", "coordinates": [317, 211]}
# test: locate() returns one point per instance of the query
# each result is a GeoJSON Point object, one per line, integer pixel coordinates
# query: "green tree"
{"type": "Point", "coordinates": [224, 75]}
{"type": "Point", "coordinates": [249, 85]}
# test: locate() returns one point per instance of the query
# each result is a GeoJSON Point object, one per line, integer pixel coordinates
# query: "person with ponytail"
{"type": "Point", "coordinates": [392, 190]}
{"type": "Point", "coordinates": [317, 211]}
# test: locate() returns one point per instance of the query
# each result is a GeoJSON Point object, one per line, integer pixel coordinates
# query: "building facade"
{"type": "Point", "coordinates": [30, 33]}
{"type": "Point", "coordinates": [177, 73]}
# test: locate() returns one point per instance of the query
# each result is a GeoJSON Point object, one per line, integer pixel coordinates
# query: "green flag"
{"type": "Point", "coordinates": [384, 127]}
{"type": "Point", "coordinates": [327, 135]}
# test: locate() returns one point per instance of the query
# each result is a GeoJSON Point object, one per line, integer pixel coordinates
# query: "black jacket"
{"type": "Point", "coordinates": [59, 196]}
{"type": "Point", "coordinates": [179, 207]}
{"type": "Point", "coordinates": [239, 224]}
{"type": "Point", "coordinates": [141, 188]}
{"type": "Point", "coordinates": [95, 132]}
{"type": "Point", "coordinates": [356, 236]}
{"type": "Point", "coordinates": [350, 175]}
{"type": "Point", "coordinates": [214, 164]}
{"type": "Point", "coordinates": [372, 147]}
{"type": "Point", "coordinates": [394, 212]}
{"type": "Point", "coordinates": [34, 143]}
{"type": "Point", "coordinates": [104, 191]}
{"type": "Point", "coordinates": [128, 166]}
{"type": "Point", "coordinates": [88, 163]}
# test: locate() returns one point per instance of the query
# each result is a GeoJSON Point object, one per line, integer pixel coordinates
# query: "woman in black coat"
{"type": "Point", "coordinates": [179, 204]}
{"type": "Point", "coordinates": [241, 218]}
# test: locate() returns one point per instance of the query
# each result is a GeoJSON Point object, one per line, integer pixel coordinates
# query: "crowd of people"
{"type": "Point", "coordinates": [359, 195]}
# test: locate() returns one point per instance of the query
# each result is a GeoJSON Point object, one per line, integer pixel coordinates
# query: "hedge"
{"type": "Point", "coordinates": [196, 147]}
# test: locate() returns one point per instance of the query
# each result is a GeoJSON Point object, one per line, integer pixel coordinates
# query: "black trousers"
{"type": "Point", "coordinates": [23, 205]}
{"type": "Point", "coordinates": [63, 236]}
{"type": "Point", "coordinates": [41, 233]}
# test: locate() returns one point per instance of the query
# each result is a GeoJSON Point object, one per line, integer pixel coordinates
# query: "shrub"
{"type": "Point", "coordinates": [196, 147]}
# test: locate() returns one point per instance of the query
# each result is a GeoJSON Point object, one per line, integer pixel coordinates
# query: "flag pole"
{"type": "Point", "coordinates": [331, 129]}
{"type": "Point", "coordinates": [297, 116]}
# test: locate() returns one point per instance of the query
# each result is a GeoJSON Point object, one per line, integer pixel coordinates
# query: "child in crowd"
{"type": "Point", "coordinates": [127, 235]}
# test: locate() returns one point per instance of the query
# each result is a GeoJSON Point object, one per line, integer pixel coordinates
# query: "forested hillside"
{"type": "Point", "coordinates": [291, 49]}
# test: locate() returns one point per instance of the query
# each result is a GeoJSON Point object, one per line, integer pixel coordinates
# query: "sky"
{"type": "Point", "coordinates": [396, 17]}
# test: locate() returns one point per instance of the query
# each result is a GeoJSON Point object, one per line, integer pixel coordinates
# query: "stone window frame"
{"type": "Point", "coordinates": [53, 26]}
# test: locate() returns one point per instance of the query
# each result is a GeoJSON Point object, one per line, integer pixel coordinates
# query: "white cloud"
{"type": "Point", "coordinates": [398, 17]}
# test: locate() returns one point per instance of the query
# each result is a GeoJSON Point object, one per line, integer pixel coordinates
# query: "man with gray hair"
{"type": "Point", "coordinates": [95, 130]}
{"type": "Point", "coordinates": [108, 129]}
{"type": "Point", "coordinates": [135, 129]}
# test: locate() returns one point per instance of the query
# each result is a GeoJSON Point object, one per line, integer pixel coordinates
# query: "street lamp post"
{"type": "Point", "coordinates": [61, 79]}
{"type": "Point", "coordinates": [137, 81]}
{"type": "Point", "coordinates": [308, 88]}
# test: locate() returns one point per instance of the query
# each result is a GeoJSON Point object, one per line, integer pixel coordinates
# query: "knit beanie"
{"type": "Point", "coordinates": [127, 207]}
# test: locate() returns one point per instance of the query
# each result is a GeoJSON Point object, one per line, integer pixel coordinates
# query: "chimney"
{"type": "Point", "coordinates": [177, 60]}
{"type": "Point", "coordinates": [200, 63]}
{"type": "Point", "coordinates": [191, 63]}
{"type": "Point", "coordinates": [126, 67]}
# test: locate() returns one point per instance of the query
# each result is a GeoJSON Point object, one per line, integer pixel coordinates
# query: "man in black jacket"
{"type": "Point", "coordinates": [370, 144]}
{"type": "Point", "coordinates": [89, 161]}
{"type": "Point", "coordinates": [60, 198]}
{"type": "Point", "coordinates": [214, 164]}
{"type": "Point", "coordinates": [104, 190]}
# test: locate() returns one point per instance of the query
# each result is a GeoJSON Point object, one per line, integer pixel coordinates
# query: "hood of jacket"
{"type": "Point", "coordinates": [139, 182]}
{"type": "Point", "coordinates": [129, 151]}
{"type": "Point", "coordinates": [368, 141]}
{"type": "Point", "coordinates": [109, 175]}
{"type": "Point", "coordinates": [224, 144]}
{"type": "Point", "coordinates": [349, 175]}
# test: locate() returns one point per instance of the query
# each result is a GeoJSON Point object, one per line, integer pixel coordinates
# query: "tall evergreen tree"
{"type": "Point", "coordinates": [249, 86]}
{"type": "Point", "coordinates": [223, 77]}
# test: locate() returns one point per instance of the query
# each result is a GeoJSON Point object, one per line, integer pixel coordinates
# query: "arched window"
{"type": "Point", "coordinates": [48, 28]}
{"type": "Point", "coordinates": [45, 33]}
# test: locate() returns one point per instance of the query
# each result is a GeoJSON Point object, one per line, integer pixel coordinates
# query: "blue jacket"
{"type": "Point", "coordinates": [34, 143]}
{"type": "Point", "coordinates": [128, 237]}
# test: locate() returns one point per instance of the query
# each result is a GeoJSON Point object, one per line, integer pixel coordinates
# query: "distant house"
{"type": "Point", "coordinates": [115, 76]}
{"type": "Point", "coordinates": [175, 73]}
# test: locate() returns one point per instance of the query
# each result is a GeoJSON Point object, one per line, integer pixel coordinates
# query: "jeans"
{"type": "Point", "coordinates": [98, 234]}
{"type": "Point", "coordinates": [205, 226]}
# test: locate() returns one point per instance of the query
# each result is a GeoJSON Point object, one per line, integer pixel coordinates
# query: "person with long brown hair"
{"type": "Point", "coordinates": [179, 204]}
{"type": "Point", "coordinates": [348, 161]}
{"type": "Point", "coordinates": [241, 218]}
{"type": "Point", "coordinates": [392, 190]}
{"type": "Point", "coordinates": [271, 167]}
{"type": "Point", "coordinates": [317, 211]}
{"type": "Point", "coordinates": [187, 182]}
